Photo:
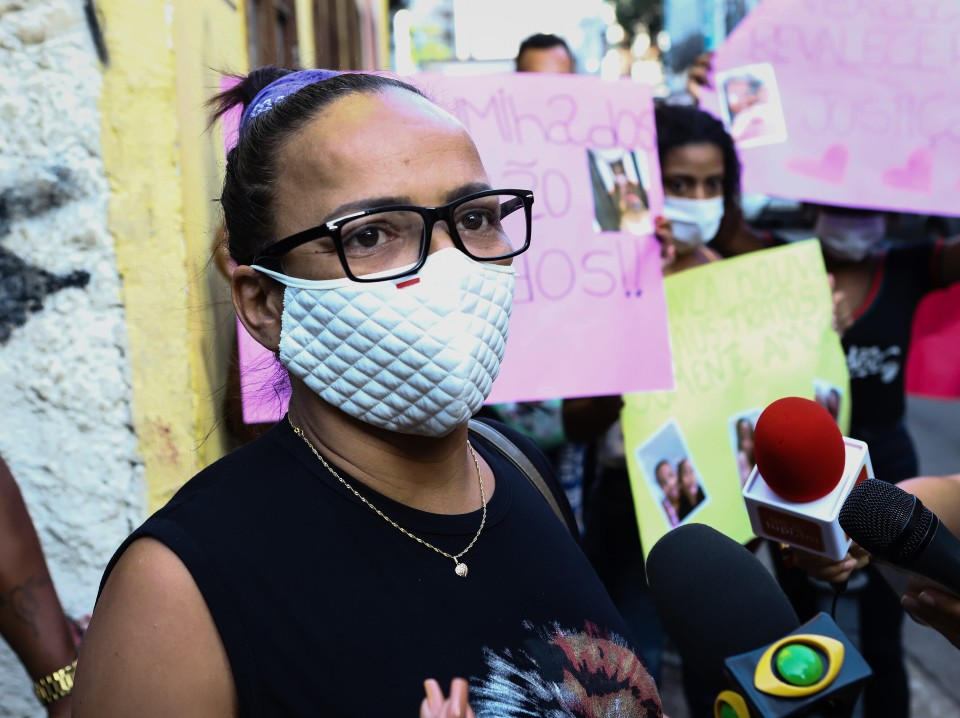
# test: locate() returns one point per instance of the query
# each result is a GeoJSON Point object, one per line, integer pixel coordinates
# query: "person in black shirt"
{"type": "Point", "coordinates": [364, 544]}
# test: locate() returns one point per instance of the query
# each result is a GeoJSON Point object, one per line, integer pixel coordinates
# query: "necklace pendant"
{"type": "Point", "coordinates": [461, 570]}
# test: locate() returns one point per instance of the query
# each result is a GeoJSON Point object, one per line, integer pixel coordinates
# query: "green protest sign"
{"type": "Point", "coordinates": [745, 332]}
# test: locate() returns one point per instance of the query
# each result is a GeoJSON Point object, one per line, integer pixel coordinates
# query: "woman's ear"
{"type": "Point", "coordinates": [258, 300]}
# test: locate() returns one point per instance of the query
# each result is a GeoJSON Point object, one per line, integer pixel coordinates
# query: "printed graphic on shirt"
{"type": "Point", "coordinates": [565, 673]}
{"type": "Point", "coordinates": [864, 362]}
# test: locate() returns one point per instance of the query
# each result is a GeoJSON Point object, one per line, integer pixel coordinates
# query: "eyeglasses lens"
{"type": "Point", "coordinates": [491, 227]}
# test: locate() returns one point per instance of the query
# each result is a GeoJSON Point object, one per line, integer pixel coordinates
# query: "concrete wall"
{"type": "Point", "coordinates": [164, 170]}
{"type": "Point", "coordinates": [115, 329]}
{"type": "Point", "coordinates": [66, 426]}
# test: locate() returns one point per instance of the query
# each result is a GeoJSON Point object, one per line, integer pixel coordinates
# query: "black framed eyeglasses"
{"type": "Point", "coordinates": [487, 226]}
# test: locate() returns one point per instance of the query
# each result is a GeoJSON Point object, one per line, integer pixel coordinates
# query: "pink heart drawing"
{"type": "Point", "coordinates": [916, 175]}
{"type": "Point", "coordinates": [831, 167]}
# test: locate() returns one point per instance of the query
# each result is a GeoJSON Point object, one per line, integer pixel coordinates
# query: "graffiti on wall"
{"type": "Point", "coordinates": [23, 287]}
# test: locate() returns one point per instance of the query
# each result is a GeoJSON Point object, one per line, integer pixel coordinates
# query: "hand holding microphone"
{"type": "Point", "coordinates": [934, 607]}
{"type": "Point", "coordinates": [826, 569]}
{"type": "Point", "coordinates": [804, 470]}
{"type": "Point", "coordinates": [897, 528]}
{"type": "Point", "coordinates": [926, 600]}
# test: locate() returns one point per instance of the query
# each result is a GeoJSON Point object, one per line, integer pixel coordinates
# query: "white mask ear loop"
{"type": "Point", "coordinates": [441, 256]}
{"type": "Point", "coordinates": [298, 283]}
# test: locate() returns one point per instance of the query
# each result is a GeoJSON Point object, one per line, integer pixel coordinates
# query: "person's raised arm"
{"type": "Point", "coordinates": [929, 603]}
{"type": "Point", "coordinates": [31, 618]}
{"type": "Point", "coordinates": [940, 494]}
{"type": "Point", "coordinates": [152, 649]}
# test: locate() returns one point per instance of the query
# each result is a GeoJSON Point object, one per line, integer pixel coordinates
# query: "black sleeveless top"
{"type": "Point", "coordinates": [879, 339]}
{"type": "Point", "coordinates": [327, 610]}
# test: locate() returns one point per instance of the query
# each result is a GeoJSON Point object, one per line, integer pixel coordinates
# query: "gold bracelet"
{"type": "Point", "coordinates": [55, 686]}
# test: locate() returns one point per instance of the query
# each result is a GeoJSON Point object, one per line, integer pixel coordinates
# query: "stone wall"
{"type": "Point", "coordinates": [65, 426]}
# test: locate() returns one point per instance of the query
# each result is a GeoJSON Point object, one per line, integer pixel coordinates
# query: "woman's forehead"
{"type": "Point", "coordinates": [384, 122]}
{"type": "Point", "coordinates": [393, 143]}
{"type": "Point", "coordinates": [699, 156]}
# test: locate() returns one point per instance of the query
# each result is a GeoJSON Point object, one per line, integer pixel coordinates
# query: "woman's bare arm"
{"type": "Point", "coordinates": [940, 494]}
{"type": "Point", "coordinates": [152, 649]}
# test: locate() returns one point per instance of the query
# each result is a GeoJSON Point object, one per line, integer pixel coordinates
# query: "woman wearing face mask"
{"type": "Point", "coordinates": [881, 286]}
{"type": "Point", "coordinates": [701, 186]}
{"type": "Point", "coordinates": [366, 542]}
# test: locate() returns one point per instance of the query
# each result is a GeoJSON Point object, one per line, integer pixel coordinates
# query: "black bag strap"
{"type": "Point", "coordinates": [519, 459]}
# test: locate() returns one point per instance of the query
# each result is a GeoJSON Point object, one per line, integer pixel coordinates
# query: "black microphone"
{"type": "Point", "coordinates": [734, 628]}
{"type": "Point", "coordinates": [897, 528]}
{"type": "Point", "coordinates": [714, 599]}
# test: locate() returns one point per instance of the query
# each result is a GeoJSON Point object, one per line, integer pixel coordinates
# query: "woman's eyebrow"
{"type": "Point", "coordinates": [367, 203]}
{"type": "Point", "coordinates": [464, 190]}
{"type": "Point", "coordinates": [374, 202]}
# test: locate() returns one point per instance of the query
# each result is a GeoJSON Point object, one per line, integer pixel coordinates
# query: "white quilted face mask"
{"type": "Point", "coordinates": [416, 355]}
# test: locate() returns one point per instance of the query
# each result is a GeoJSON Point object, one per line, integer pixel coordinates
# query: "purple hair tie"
{"type": "Point", "coordinates": [278, 90]}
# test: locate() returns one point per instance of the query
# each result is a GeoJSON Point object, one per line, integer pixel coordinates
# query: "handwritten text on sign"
{"type": "Point", "coordinates": [745, 331]}
{"type": "Point", "coordinates": [870, 99]}
{"type": "Point", "coordinates": [589, 314]}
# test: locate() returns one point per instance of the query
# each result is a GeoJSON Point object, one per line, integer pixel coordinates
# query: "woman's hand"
{"type": "Point", "coordinates": [842, 311]}
{"type": "Point", "coordinates": [663, 230]}
{"type": "Point", "coordinates": [436, 706]}
{"type": "Point", "coordinates": [826, 569]}
{"type": "Point", "coordinates": [934, 606]}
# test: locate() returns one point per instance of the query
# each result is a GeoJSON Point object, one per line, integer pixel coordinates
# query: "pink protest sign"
{"type": "Point", "coordinates": [851, 102]}
{"type": "Point", "coordinates": [589, 315]}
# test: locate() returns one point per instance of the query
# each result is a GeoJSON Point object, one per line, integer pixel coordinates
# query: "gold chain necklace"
{"type": "Point", "coordinates": [459, 567]}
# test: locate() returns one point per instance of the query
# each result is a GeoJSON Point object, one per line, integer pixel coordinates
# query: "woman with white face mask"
{"type": "Point", "coordinates": [367, 542]}
{"type": "Point", "coordinates": [703, 221]}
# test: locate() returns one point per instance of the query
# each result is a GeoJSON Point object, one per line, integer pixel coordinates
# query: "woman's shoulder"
{"type": "Point", "coordinates": [149, 609]}
{"type": "Point", "coordinates": [254, 485]}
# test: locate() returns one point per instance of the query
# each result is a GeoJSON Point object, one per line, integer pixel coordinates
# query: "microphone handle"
{"type": "Point", "coordinates": [940, 560]}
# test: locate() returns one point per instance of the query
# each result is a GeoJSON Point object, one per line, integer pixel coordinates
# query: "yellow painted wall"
{"type": "Point", "coordinates": [139, 139]}
{"type": "Point", "coordinates": [209, 39]}
{"type": "Point", "coordinates": [164, 170]}
{"type": "Point", "coordinates": [305, 36]}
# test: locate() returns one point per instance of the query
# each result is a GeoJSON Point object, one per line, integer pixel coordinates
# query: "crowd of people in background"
{"type": "Point", "coordinates": [306, 151]}
{"type": "Point", "coordinates": [704, 222]}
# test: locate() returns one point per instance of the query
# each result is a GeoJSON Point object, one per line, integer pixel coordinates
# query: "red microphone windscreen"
{"type": "Point", "coordinates": [799, 449]}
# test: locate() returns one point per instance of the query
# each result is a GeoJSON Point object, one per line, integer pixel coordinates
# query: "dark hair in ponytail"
{"type": "Point", "coordinates": [249, 186]}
